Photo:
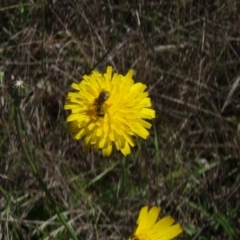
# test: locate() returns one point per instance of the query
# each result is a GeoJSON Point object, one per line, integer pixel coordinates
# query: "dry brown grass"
{"type": "Point", "coordinates": [187, 52]}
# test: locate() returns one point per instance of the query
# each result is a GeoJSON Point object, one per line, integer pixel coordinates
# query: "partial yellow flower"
{"type": "Point", "coordinates": [148, 228]}
{"type": "Point", "coordinates": [109, 109]}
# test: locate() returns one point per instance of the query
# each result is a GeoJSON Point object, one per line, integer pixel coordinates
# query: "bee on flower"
{"type": "Point", "coordinates": [109, 109]}
{"type": "Point", "coordinates": [100, 103]}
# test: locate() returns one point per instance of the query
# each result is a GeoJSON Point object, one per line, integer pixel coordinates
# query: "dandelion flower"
{"type": "Point", "coordinates": [148, 228]}
{"type": "Point", "coordinates": [109, 109]}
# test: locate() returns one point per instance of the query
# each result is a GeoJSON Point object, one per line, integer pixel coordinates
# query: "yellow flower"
{"type": "Point", "coordinates": [148, 228]}
{"type": "Point", "coordinates": [109, 108]}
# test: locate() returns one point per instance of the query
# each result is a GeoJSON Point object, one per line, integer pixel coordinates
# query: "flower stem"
{"type": "Point", "coordinates": [17, 115]}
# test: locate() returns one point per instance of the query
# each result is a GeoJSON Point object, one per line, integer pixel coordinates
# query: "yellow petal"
{"type": "Point", "coordinates": [147, 219]}
{"type": "Point", "coordinates": [172, 232]}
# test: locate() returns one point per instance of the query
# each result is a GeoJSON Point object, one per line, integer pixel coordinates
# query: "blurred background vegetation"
{"type": "Point", "coordinates": [187, 52]}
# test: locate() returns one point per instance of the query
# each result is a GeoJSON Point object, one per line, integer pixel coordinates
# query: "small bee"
{"type": "Point", "coordinates": [99, 103]}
